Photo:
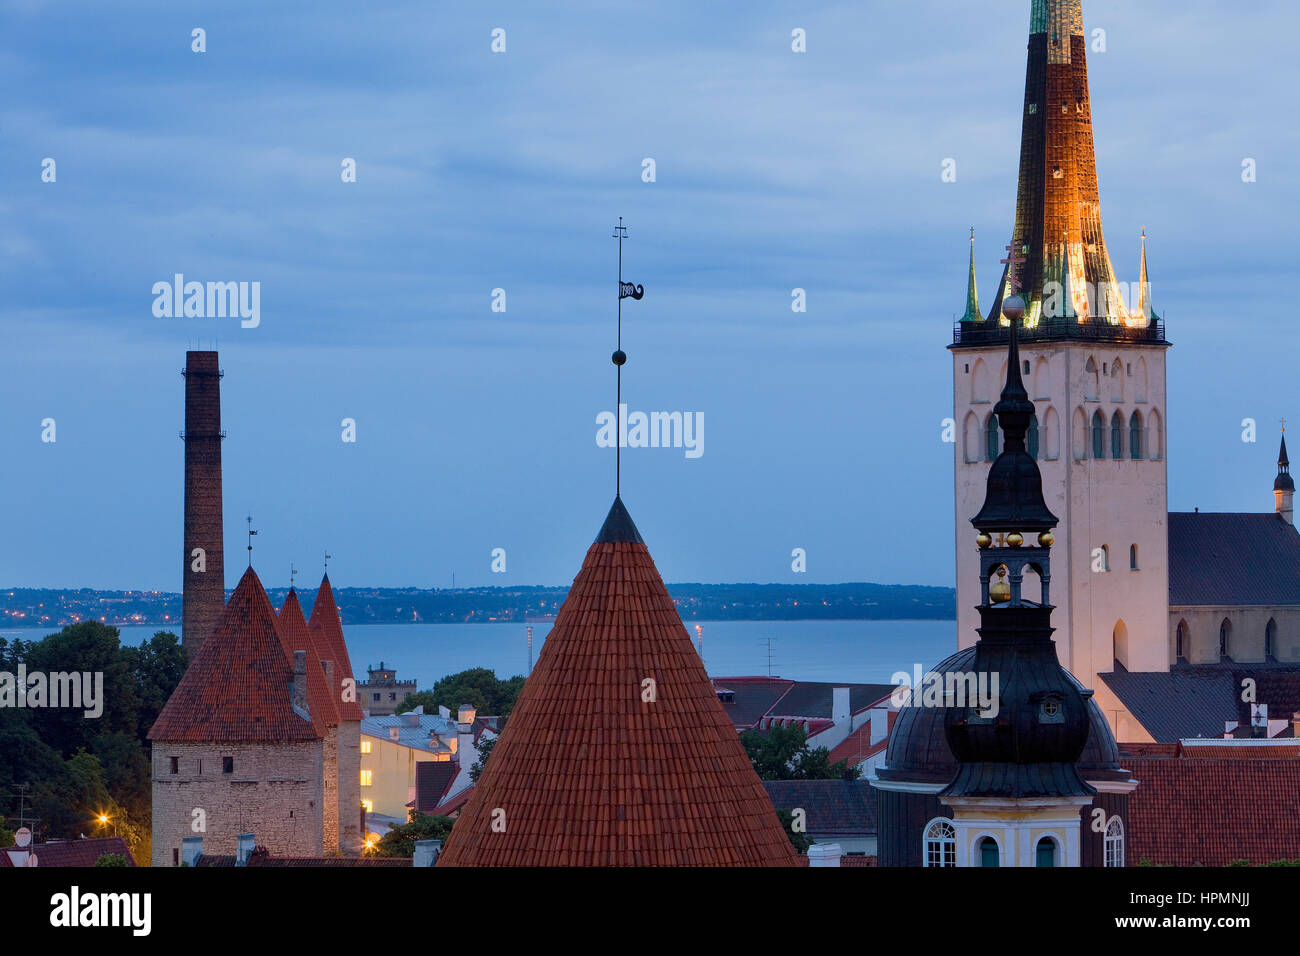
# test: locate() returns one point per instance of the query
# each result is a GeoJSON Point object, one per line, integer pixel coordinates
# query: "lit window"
{"type": "Point", "coordinates": [366, 778]}
{"type": "Point", "coordinates": [940, 844]}
{"type": "Point", "coordinates": [365, 746]}
{"type": "Point", "coordinates": [368, 806]}
{"type": "Point", "coordinates": [1114, 842]}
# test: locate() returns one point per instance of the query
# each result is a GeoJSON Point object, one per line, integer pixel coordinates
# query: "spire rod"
{"type": "Point", "coordinates": [251, 532]}
{"type": "Point", "coordinates": [626, 290]}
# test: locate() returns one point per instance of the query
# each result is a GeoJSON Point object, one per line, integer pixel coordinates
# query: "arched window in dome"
{"type": "Point", "coordinates": [991, 438]}
{"type": "Point", "coordinates": [1031, 438]}
{"type": "Point", "coordinates": [940, 843]}
{"type": "Point", "coordinates": [1270, 640]}
{"type": "Point", "coordinates": [987, 851]}
{"type": "Point", "coordinates": [1225, 639]}
{"type": "Point", "coordinates": [1098, 436]}
{"type": "Point", "coordinates": [1114, 845]}
{"type": "Point", "coordinates": [1135, 436]}
{"type": "Point", "coordinates": [1045, 852]}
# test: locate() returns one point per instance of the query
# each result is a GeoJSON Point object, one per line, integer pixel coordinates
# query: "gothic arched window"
{"type": "Point", "coordinates": [940, 844]}
{"type": "Point", "coordinates": [1270, 639]}
{"type": "Point", "coordinates": [1090, 387]}
{"type": "Point", "coordinates": [991, 438]}
{"type": "Point", "coordinates": [1132, 557]}
{"type": "Point", "coordinates": [1114, 855]}
{"type": "Point", "coordinates": [1031, 439]}
{"type": "Point", "coordinates": [1098, 436]}
{"type": "Point", "coordinates": [1182, 641]}
{"type": "Point", "coordinates": [1117, 436]}
{"type": "Point", "coordinates": [1225, 638]}
{"type": "Point", "coordinates": [1135, 436]}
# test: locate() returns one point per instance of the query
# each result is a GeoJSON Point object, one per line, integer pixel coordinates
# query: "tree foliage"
{"type": "Point", "coordinates": [485, 745]}
{"type": "Point", "coordinates": [400, 841]}
{"type": "Point", "coordinates": [478, 687]}
{"type": "Point", "coordinates": [782, 753]}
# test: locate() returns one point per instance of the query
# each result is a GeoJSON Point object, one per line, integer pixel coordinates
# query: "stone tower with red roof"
{"type": "Point", "coordinates": [295, 636]}
{"type": "Point", "coordinates": [327, 630]}
{"type": "Point", "coordinates": [618, 752]}
{"type": "Point", "coordinates": [237, 747]}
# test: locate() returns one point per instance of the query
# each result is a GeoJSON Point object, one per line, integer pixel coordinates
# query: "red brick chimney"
{"type": "Point", "coordinates": [204, 575]}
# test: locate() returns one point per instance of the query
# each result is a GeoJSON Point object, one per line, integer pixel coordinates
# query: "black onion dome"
{"type": "Point", "coordinates": [918, 744]}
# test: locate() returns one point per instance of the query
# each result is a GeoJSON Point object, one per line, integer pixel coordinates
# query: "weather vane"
{"type": "Point", "coordinates": [251, 532]}
{"type": "Point", "coordinates": [327, 561]}
{"type": "Point", "coordinates": [626, 290]}
{"type": "Point", "coordinates": [292, 571]}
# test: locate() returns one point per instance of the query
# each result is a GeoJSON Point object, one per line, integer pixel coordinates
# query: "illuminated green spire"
{"type": "Point", "coordinates": [972, 296]}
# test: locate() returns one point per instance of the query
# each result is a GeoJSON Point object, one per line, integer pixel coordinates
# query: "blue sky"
{"type": "Point", "coordinates": [476, 429]}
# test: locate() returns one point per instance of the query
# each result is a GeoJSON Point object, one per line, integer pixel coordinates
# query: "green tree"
{"type": "Point", "coordinates": [400, 841]}
{"type": "Point", "coordinates": [485, 745]}
{"type": "Point", "coordinates": [111, 859]}
{"type": "Point", "coordinates": [6, 835]}
{"type": "Point", "coordinates": [782, 753]}
{"type": "Point", "coordinates": [800, 841]}
{"type": "Point", "coordinates": [478, 687]}
{"type": "Point", "coordinates": [156, 667]}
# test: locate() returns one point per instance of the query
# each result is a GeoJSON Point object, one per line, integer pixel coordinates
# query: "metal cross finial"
{"type": "Point", "coordinates": [327, 560]}
{"type": "Point", "coordinates": [251, 532]}
{"type": "Point", "coordinates": [292, 571]}
{"type": "Point", "coordinates": [1012, 261]}
{"type": "Point", "coordinates": [972, 233]}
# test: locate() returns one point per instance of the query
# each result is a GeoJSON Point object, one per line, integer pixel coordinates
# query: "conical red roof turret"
{"type": "Point", "coordinates": [327, 628]}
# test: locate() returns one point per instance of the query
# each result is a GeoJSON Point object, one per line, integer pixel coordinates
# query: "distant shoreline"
{"type": "Point", "coordinates": [526, 604]}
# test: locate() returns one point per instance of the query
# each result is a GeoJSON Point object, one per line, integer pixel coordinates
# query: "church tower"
{"type": "Point", "coordinates": [1283, 485]}
{"type": "Point", "coordinates": [1018, 792]}
{"type": "Point", "coordinates": [1092, 360]}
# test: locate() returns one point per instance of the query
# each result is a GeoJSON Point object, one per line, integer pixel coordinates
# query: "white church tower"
{"type": "Point", "coordinates": [1093, 362]}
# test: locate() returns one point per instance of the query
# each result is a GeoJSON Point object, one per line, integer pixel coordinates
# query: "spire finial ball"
{"type": "Point", "coordinates": [619, 357]}
{"type": "Point", "coordinates": [1014, 308]}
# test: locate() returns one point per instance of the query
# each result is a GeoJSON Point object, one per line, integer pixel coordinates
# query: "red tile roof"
{"type": "Point", "coordinates": [295, 636]}
{"type": "Point", "coordinates": [586, 773]}
{"type": "Point", "coordinates": [71, 852]}
{"type": "Point", "coordinates": [857, 746]}
{"type": "Point", "coordinates": [238, 685]}
{"type": "Point", "coordinates": [1212, 811]}
{"type": "Point", "coordinates": [325, 619]}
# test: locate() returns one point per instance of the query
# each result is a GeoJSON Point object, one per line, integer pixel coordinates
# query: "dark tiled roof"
{"type": "Point", "coordinates": [1232, 559]}
{"type": "Point", "coordinates": [834, 808]}
{"type": "Point", "coordinates": [432, 778]}
{"type": "Point", "coordinates": [294, 636]}
{"type": "Point", "coordinates": [1177, 704]}
{"type": "Point", "coordinates": [72, 852]}
{"type": "Point", "coordinates": [814, 698]}
{"type": "Point", "coordinates": [587, 773]}
{"type": "Point", "coordinates": [1209, 812]}
{"type": "Point", "coordinates": [752, 698]}
{"type": "Point", "coordinates": [325, 620]}
{"type": "Point", "coordinates": [238, 685]}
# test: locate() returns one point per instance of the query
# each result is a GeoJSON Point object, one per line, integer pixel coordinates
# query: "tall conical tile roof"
{"type": "Point", "coordinates": [296, 636]}
{"type": "Point", "coordinates": [327, 627]}
{"type": "Point", "coordinates": [239, 685]}
{"type": "Point", "coordinates": [599, 767]}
